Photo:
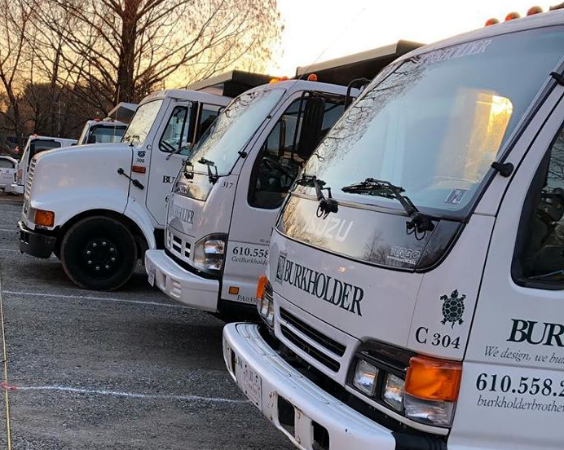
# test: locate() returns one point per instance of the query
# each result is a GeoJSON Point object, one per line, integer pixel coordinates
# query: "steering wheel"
{"type": "Point", "coordinates": [274, 165]}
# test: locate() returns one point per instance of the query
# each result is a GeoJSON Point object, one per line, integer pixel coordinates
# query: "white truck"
{"type": "Point", "coordinates": [99, 207]}
{"type": "Point", "coordinates": [35, 145]}
{"type": "Point", "coordinates": [224, 204]}
{"type": "Point", "coordinates": [421, 305]}
{"type": "Point", "coordinates": [101, 132]}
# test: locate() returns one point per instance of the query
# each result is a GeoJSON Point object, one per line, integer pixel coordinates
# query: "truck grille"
{"type": "Point", "coordinates": [29, 180]}
{"type": "Point", "coordinates": [292, 327]}
{"type": "Point", "coordinates": [177, 245]}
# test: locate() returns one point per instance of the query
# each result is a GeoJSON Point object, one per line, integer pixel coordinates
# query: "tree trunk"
{"type": "Point", "coordinates": [125, 88]}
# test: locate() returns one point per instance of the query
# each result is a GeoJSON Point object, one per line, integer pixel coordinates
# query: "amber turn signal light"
{"type": "Point", "coordinates": [44, 218]}
{"type": "Point", "coordinates": [261, 286]}
{"type": "Point", "coordinates": [433, 379]}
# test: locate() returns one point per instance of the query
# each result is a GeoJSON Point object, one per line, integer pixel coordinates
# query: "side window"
{"type": "Point", "coordinates": [6, 164]}
{"type": "Point", "coordinates": [280, 161]}
{"type": "Point", "coordinates": [541, 248]}
{"type": "Point", "coordinates": [39, 145]}
{"type": "Point", "coordinates": [176, 137]}
{"type": "Point", "coordinates": [207, 117]}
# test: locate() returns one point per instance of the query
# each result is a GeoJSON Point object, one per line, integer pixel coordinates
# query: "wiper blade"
{"type": "Point", "coordinates": [213, 177]}
{"type": "Point", "coordinates": [419, 222]}
{"type": "Point", "coordinates": [326, 204]}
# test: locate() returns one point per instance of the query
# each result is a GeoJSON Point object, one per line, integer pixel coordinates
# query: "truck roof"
{"type": "Point", "coordinates": [550, 18]}
{"type": "Point", "coordinates": [185, 94]}
{"type": "Point", "coordinates": [230, 84]}
{"type": "Point", "coordinates": [365, 64]}
{"type": "Point", "coordinates": [106, 123]}
{"type": "Point", "coordinates": [299, 85]}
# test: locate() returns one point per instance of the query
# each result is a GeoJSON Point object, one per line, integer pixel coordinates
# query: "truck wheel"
{"type": "Point", "coordinates": [99, 253]}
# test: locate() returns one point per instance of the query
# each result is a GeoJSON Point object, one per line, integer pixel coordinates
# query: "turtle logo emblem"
{"type": "Point", "coordinates": [453, 308]}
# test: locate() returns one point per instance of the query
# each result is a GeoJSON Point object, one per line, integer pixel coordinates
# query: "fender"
{"type": "Point", "coordinates": [139, 214]}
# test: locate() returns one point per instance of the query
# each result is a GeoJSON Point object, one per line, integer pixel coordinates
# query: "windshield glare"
{"type": "Point", "coordinates": [435, 122]}
{"type": "Point", "coordinates": [141, 123]}
{"type": "Point", "coordinates": [233, 128]}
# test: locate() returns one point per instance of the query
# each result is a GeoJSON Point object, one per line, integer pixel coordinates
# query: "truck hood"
{"type": "Point", "coordinates": [360, 272]}
{"type": "Point", "coordinates": [72, 179]}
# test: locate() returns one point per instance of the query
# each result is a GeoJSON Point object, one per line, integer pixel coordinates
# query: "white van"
{"type": "Point", "coordinates": [35, 145]}
{"type": "Point", "coordinates": [422, 305]}
{"type": "Point", "coordinates": [8, 167]}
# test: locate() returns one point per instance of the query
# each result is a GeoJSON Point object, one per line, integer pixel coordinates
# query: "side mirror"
{"type": "Point", "coordinates": [312, 122]}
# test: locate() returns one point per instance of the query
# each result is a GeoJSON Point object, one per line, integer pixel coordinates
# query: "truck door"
{"type": "Point", "coordinates": [513, 377]}
{"type": "Point", "coordinates": [172, 144]}
{"type": "Point", "coordinates": [265, 179]}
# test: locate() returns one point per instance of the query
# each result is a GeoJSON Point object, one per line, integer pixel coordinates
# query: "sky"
{"type": "Point", "coordinates": [318, 30]}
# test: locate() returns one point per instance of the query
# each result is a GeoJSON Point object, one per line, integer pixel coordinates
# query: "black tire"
{"type": "Point", "coordinates": [99, 253]}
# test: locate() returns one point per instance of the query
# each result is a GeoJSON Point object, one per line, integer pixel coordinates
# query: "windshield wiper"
{"type": "Point", "coordinates": [419, 222]}
{"type": "Point", "coordinates": [326, 204]}
{"type": "Point", "coordinates": [213, 177]}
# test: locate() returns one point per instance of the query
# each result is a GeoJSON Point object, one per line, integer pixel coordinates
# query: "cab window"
{"type": "Point", "coordinates": [6, 164]}
{"type": "Point", "coordinates": [176, 137]}
{"type": "Point", "coordinates": [280, 159]}
{"type": "Point", "coordinates": [207, 117]}
{"type": "Point", "coordinates": [541, 248]}
{"type": "Point", "coordinates": [40, 145]}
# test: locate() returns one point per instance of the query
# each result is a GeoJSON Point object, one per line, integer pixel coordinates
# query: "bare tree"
{"type": "Point", "coordinates": [15, 19]}
{"type": "Point", "coordinates": [127, 48]}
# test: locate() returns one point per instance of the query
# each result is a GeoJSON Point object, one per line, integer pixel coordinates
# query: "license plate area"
{"type": "Point", "coordinates": [249, 381]}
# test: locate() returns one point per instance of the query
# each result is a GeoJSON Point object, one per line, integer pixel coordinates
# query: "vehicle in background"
{"type": "Point", "coordinates": [101, 132]}
{"type": "Point", "coordinates": [420, 306]}
{"type": "Point", "coordinates": [8, 167]}
{"type": "Point", "coordinates": [225, 201]}
{"type": "Point", "coordinates": [35, 144]}
{"type": "Point", "coordinates": [100, 207]}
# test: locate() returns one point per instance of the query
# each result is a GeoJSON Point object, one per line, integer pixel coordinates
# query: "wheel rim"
{"type": "Point", "coordinates": [100, 256]}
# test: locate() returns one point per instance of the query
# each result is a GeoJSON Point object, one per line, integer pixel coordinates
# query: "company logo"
{"type": "Point", "coordinates": [404, 255]}
{"type": "Point", "coordinates": [319, 285]}
{"type": "Point", "coordinates": [141, 154]}
{"type": "Point", "coordinates": [453, 308]}
{"type": "Point", "coordinates": [330, 228]}
{"type": "Point", "coordinates": [186, 215]}
{"type": "Point", "coordinates": [537, 333]}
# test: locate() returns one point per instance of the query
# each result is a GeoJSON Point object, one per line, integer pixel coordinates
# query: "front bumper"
{"type": "Point", "coordinates": [265, 377]}
{"type": "Point", "coordinates": [14, 189]}
{"type": "Point", "coordinates": [35, 243]}
{"type": "Point", "coordinates": [179, 284]}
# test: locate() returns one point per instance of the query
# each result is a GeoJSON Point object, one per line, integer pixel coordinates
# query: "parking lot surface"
{"type": "Point", "coordinates": [119, 370]}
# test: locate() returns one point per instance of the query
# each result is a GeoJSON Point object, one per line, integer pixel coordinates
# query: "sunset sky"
{"type": "Point", "coordinates": [317, 30]}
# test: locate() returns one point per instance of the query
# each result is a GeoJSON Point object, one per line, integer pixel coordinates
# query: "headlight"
{"type": "Point", "coordinates": [209, 253]}
{"type": "Point", "coordinates": [265, 301]}
{"type": "Point", "coordinates": [365, 377]}
{"type": "Point", "coordinates": [419, 388]}
{"type": "Point", "coordinates": [394, 390]}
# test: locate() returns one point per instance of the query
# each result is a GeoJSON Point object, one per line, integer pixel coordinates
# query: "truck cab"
{"type": "Point", "coordinates": [225, 201]}
{"type": "Point", "coordinates": [101, 132]}
{"type": "Point", "coordinates": [422, 307]}
{"type": "Point", "coordinates": [35, 144]}
{"type": "Point", "coordinates": [99, 207]}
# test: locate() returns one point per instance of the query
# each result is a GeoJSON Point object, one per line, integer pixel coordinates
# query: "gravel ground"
{"type": "Point", "coordinates": [121, 370]}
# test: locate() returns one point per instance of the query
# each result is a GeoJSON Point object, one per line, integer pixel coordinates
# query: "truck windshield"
{"type": "Point", "coordinates": [233, 128]}
{"type": "Point", "coordinates": [435, 122]}
{"type": "Point", "coordinates": [141, 123]}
